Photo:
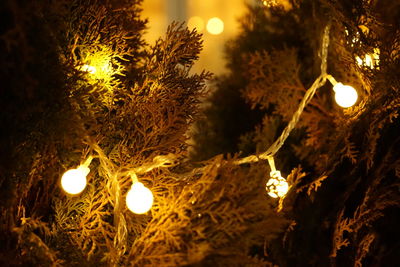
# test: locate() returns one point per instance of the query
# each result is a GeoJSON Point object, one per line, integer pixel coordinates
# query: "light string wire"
{"type": "Point", "coordinates": [274, 148]}
{"type": "Point", "coordinates": [319, 82]}
{"type": "Point", "coordinates": [171, 160]}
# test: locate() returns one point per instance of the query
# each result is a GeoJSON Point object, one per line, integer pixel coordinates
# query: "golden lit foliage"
{"type": "Point", "coordinates": [344, 149]}
{"type": "Point", "coordinates": [114, 97]}
{"type": "Point", "coordinates": [81, 81]}
{"type": "Point", "coordinates": [313, 186]}
{"type": "Point", "coordinates": [363, 249]}
{"type": "Point", "coordinates": [275, 85]}
{"type": "Point", "coordinates": [145, 120]}
{"type": "Point", "coordinates": [101, 47]}
{"type": "Point", "coordinates": [214, 215]}
{"type": "Point", "coordinates": [274, 78]}
{"type": "Point", "coordinates": [85, 219]}
{"type": "Point", "coordinates": [33, 232]}
{"type": "Point", "coordinates": [284, 4]}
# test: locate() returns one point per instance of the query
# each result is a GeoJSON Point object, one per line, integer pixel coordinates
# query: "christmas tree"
{"type": "Point", "coordinates": [94, 163]}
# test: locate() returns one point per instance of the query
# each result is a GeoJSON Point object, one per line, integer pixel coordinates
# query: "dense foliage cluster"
{"type": "Point", "coordinates": [350, 155]}
{"type": "Point", "coordinates": [78, 80]}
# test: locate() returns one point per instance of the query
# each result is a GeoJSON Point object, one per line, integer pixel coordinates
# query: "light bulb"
{"type": "Point", "coordinates": [74, 181]}
{"type": "Point", "coordinates": [215, 26]}
{"type": "Point", "coordinates": [139, 199]}
{"type": "Point", "coordinates": [345, 95]}
{"type": "Point", "coordinates": [277, 185]}
{"type": "Point", "coordinates": [98, 65]}
{"type": "Point", "coordinates": [88, 68]}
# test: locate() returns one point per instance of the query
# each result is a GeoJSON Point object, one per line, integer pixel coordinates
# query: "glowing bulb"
{"type": "Point", "coordinates": [139, 199]}
{"type": "Point", "coordinates": [277, 185]}
{"type": "Point", "coordinates": [88, 68]}
{"type": "Point", "coordinates": [345, 95]}
{"type": "Point", "coordinates": [98, 65]}
{"type": "Point", "coordinates": [74, 181]}
{"type": "Point", "coordinates": [215, 26]}
{"type": "Point", "coordinates": [196, 23]}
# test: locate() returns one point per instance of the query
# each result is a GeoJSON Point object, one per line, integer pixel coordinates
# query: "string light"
{"type": "Point", "coordinates": [276, 186]}
{"type": "Point", "coordinates": [73, 181]}
{"type": "Point", "coordinates": [345, 95]}
{"type": "Point", "coordinates": [139, 199]}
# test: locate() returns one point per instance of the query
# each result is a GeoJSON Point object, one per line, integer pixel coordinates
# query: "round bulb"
{"type": "Point", "coordinates": [277, 188]}
{"type": "Point", "coordinates": [139, 199]}
{"type": "Point", "coordinates": [215, 26]}
{"type": "Point", "coordinates": [74, 181]}
{"type": "Point", "coordinates": [277, 185]}
{"type": "Point", "coordinates": [345, 95]}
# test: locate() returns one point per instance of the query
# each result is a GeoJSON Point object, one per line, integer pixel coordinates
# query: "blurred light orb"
{"type": "Point", "coordinates": [345, 95]}
{"type": "Point", "coordinates": [139, 199]}
{"type": "Point", "coordinates": [196, 23]}
{"type": "Point", "coordinates": [277, 185]}
{"type": "Point", "coordinates": [74, 181]}
{"type": "Point", "coordinates": [215, 26]}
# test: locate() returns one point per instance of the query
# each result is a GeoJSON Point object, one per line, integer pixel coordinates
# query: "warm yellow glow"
{"type": "Point", "coordinates": [274, 3]}
{"type": "Point", "coordinates": [360, 62]}
{"type": "Point", "coordinates": [196, 23]}
{"type": "Point", "coordinates": [345, 95]}
{"type": "Point", "coordinates": [277, 185]}
{"type": "Point", "coordinates": [74, 181]}
{"type": "Point", "coordinates": [215, 26]}
{"type": "Point", "coordinates": [90, 69]}
{"type": "Point", "coordinates": [370, 60]}
{"type": "Point", "coordinates": [98, 65]}
{"type": "Point", "coordinates": [139, 199]}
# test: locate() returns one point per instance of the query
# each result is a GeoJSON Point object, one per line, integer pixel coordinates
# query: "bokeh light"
{"type": "Point", "coordinates": [215, 26]}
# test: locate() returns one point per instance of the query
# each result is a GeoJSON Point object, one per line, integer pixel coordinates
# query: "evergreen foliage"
{"type": "Point", "coordinates": [346, 204]}
{"type": "Point", "coordinates": [78, 80]}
